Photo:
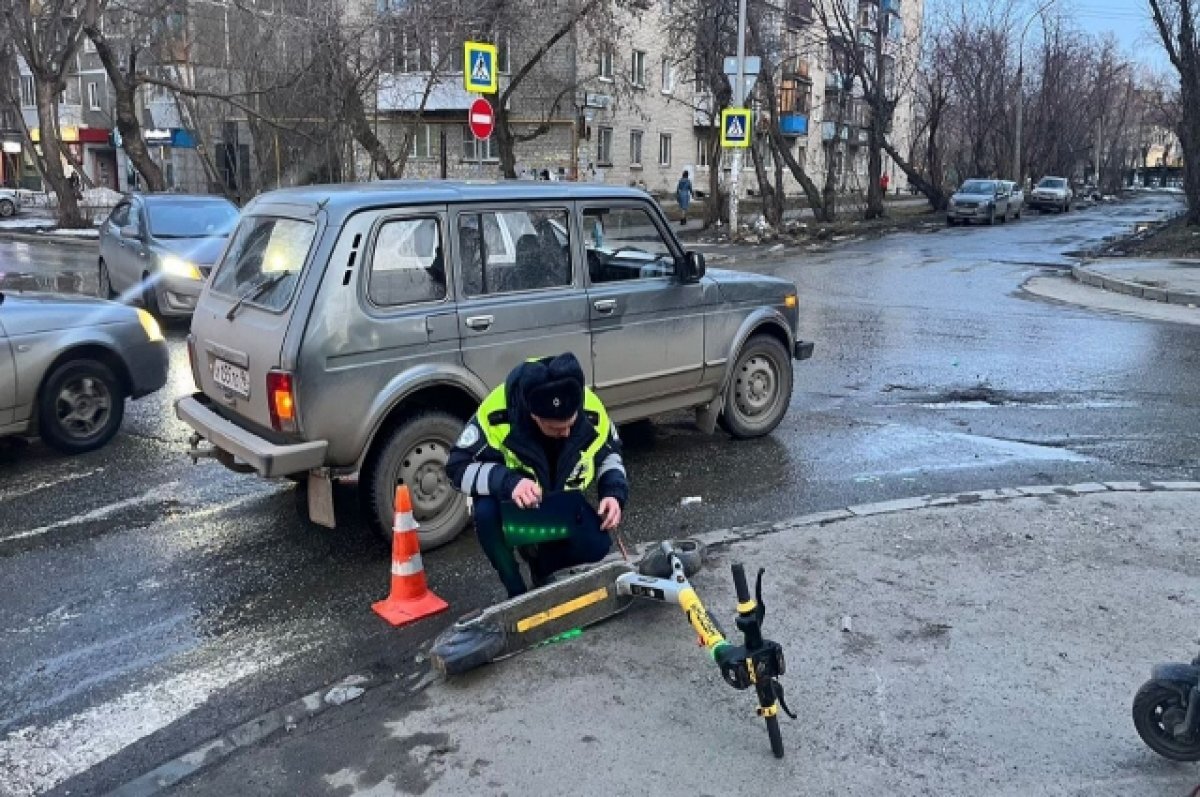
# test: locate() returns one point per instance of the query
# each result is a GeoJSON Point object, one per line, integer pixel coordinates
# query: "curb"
{"type": "Point", "coordinates": [721, 538]}
{"type": "Point", "coordinates": [1098, 280]}
{"type": "Point", "coordinates": [286, 717]}
{"type": "Point", "coordinates": [58, 240]}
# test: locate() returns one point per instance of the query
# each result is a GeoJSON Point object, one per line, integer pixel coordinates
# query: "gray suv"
{"type": "Point", "coordinates": [354, 329]}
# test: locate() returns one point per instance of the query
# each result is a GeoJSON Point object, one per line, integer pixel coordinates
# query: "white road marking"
{"type": "Point", "coordinates": [35, 759]}
{"type": "Point", "coordinates": [160, 493]}
{"type": "Point", "coordinates": [8, 495]}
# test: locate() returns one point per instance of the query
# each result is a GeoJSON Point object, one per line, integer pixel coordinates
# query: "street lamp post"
{"type": "Point", "coordinates": [1020, 99]}
{"type": "Point", "coordinates": [739, 101]}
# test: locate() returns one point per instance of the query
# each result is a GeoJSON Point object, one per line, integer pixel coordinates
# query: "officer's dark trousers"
{"type": "Point", "coordinates": [582, 547]}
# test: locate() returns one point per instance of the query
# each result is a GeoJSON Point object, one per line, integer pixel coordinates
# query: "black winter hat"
{"type": "Point", "coordinates": [554, 389]}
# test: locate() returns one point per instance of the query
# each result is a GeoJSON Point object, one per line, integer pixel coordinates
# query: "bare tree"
{"type": "Point", "coordinates": [1176, 22]}
{"type": "Point", "coordinates": [47, 35]}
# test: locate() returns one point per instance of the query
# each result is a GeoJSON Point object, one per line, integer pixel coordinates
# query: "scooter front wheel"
{"type": "Point", "coordinates": [1159, 707]}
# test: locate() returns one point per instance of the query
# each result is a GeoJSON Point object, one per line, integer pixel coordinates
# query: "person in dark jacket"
{"type": "Point", "coordinates": [542, 434]}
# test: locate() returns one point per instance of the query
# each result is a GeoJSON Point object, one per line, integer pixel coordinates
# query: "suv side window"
{"type": "Point", "coordinates": [624, 243]}
{"type": "Point", "coordinates": [517, 250]}
{"type": "Point", "coordinates": [408, 264]}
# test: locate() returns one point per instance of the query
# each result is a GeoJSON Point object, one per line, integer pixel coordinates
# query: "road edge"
{"type": "Point", "coordinates": [57, 240]}
{"type": "Point", "coordinates": [286, 717]}
{"type": "Point", "coordinates": [1089, 276]}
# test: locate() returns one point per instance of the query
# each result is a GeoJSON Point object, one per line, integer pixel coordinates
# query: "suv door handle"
{"type": "Point", "coordinates": [605, 306]}
{"type": "Point", "coordinates": [480, 322]}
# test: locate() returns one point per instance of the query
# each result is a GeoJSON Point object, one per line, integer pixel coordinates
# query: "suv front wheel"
{"type": "Point", "coordinates": [415, 455]}
{"type": "Point", "coordinates": [759, 389]}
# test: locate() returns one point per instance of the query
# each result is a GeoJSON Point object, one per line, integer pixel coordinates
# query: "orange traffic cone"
{"type": "Point", "coordinates": [410, 599]}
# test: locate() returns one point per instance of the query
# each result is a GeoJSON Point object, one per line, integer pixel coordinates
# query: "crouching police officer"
{"type": "Point", "coordinates": [541, 435]}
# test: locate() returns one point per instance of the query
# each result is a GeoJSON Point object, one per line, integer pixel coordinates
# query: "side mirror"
{"type": "Point", "coordinates": [130, 231]}
{"type": "Point", "coordinates": [693, 267]}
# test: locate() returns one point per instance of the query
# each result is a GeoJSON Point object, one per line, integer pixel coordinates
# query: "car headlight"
{"type": "Point", "coordinates": [150, 325]}
{"type": "Point", "coordinates": [178, 267]}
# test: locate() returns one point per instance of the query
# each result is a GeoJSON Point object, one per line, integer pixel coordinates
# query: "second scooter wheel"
{"type": "Point", "coordinates": [1158, 708]}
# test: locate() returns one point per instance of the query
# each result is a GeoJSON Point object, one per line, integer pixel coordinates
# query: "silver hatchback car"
{"type": "Point", "coordinates": [354, 329]}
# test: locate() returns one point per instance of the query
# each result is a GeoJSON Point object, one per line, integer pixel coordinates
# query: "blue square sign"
{"type": "Point", "coordinates": [735, 127]}
{"type": "Point", "coordinates": [479, 68]}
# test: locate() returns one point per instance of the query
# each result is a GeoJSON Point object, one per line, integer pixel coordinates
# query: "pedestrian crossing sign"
{"type": "Point", "coordinates": [735, 127]}
{"type": "Point", "coordinates": [479, 67]}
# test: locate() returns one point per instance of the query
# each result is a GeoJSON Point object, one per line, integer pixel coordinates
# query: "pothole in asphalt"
{"type": "Point", "coordinates": [983, 396]}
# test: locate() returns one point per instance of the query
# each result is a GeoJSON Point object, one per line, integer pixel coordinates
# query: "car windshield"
{"type": "Point", "coordinates": [1052, 182]}
{"type": "Point", "coordinates": [978, 187]}
{"type": "Point", "coordinates": [191, 219]}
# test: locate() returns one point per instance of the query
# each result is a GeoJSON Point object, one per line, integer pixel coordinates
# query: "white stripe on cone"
{"type": "Point", "coordinates": [404, 522]}
{"type": "Point", "coordinates": [410, 568]}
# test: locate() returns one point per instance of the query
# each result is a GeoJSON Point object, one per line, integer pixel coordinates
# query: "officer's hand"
{"type": "Point", "coordinates": [610, 514]}
{"type": "Point", "coordinates": [527, 494]}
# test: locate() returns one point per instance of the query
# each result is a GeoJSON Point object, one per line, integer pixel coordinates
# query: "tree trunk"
{"type": "Point", "coordinates": [128, 124]}
{"type": "Point", "coordinates": [505, 143]}
{"type": "Point", "coordinates": [874, 169]}
{"type": "Point", "coordinates": [931, 188]}
{"type": "Point", "coordinates": [771, 195]}
{"type": "Point", "coordinates": [69, 214]}
{"type": "Point", "coordinates": [717, 203]}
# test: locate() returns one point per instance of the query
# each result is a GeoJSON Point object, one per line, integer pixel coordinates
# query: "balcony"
{"type": "Point", "coordinates": [793, 124]}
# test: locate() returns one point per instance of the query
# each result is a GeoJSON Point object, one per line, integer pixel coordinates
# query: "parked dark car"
{"type": "Point", "coordinates": [159, 249]}
{"type": "Point", "coordinates": [67, 364]}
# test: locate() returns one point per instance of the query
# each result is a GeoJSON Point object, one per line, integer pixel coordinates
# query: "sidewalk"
{"type": "Point", "coordinates": [1171, 281]}
{"type": "Point", "coordinates": [39, 225]}
{"type": "Point", "coordinates": [984, 644]}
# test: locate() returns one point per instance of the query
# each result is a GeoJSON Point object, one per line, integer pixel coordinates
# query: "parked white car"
{"type": "Point", "coordinates": [10, 202]}
{"type": "Point", "coordinates": [1052, 193]}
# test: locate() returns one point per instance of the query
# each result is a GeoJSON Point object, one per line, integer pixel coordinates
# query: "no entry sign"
{"type": "Point", "coordinates": [482, 119]}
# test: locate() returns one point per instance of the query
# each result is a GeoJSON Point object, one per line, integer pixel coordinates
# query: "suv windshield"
{"type": "Point", "coordinates": [978, 187]}
{"type": "Point", "coordinates": [263, 249]}
{"type": "Point", "coordinates": [191, 219]}
{"type": "Point", "coordinates": [1052, 182]}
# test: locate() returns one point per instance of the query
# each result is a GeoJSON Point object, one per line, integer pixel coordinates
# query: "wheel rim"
{"type": "Point", "coordinates": [756, 388]}
{"type": "Point", "coordinates": [423, 471]}
{"type": "Point", "coordinates": [7, 208]}
{"type": "Point", "coordinates": [83, 407]}
{"type": "Point", "coordinates": [1165, 715]}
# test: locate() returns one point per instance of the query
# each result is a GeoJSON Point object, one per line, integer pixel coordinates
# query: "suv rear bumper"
{"type": "Point", "coordinates": [803, 349]}
{"type": "Point", "coordinates": [265, 457]}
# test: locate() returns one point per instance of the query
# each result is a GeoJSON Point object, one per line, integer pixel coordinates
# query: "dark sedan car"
{"type": "Point", "coordinates": [159, 248]}
{"type": "Point", "coordinates": [67, 364]}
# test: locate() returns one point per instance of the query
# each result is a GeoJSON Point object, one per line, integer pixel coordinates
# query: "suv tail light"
{"type": "Point", "coordinates": [195, 365]}
{"type": "Point", "coordinates": [281, 399]}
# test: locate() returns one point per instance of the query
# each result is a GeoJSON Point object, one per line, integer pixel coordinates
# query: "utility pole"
{"type": "Point", "coordinates": [739, 101]}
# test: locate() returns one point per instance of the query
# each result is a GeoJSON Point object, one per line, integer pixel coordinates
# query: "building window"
{"type": "Point", "coordinates": [701, 152]}
{"type": "Point", "coordinates": [635, 148]}
{"type": "Point", "coordinates": [664, 149]}
{"type": "Point", "coordinates": [93, 99]}
{"type": "Point", "coordinates": [28, 97]}
{"type": "Point", "coordinates": [604, 146]}
{"type": "Point", "coordinates": [503, 54]}
{"type": "Point", "coordinates": [668, 76]}
{"type": "Point", "coordinates": [474, 150]}
{"type": "Point", "coordinates": [638, 72]}
{"type": "Point", "coordinates": [421, 145]}
{"type": "Point", "coordinates": [606, 63]}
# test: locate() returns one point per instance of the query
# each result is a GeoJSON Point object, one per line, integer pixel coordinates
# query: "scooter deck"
{"type": "Point", "coordinates": [578, 600]}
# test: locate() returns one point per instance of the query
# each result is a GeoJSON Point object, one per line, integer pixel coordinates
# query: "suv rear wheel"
{"type": "Point", "coordinates": [415, 455]}
{"type": "Point", "coordinates": [759, 389]}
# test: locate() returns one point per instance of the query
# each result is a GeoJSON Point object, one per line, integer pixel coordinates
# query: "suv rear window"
{"type": "Point", "coordinates": [263, 248]}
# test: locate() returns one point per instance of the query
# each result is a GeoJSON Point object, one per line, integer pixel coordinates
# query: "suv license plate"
{"type": "Point", "coordinates": [232, 377]}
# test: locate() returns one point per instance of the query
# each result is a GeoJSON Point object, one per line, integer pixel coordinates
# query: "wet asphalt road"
{"type": "Point", "coordinates": [147, 604]}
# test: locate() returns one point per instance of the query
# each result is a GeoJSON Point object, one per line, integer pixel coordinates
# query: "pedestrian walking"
{"type": "Point", "coordinates": [684, 194]}
{"type": "Point", "coordinates": [883, 183]}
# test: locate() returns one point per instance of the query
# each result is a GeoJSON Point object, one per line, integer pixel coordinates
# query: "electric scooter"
{"type": "Point", "coordinates": [1166, 710]}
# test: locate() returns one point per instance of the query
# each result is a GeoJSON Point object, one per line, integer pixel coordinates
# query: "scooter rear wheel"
{"type": "Point", "coordinates": [1157, 708]}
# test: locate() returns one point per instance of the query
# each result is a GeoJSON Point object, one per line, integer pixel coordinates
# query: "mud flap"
{"type": "Point", "coordinates": [579, 600]}
{"type": "Point", "coordinates": [320, 498]}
